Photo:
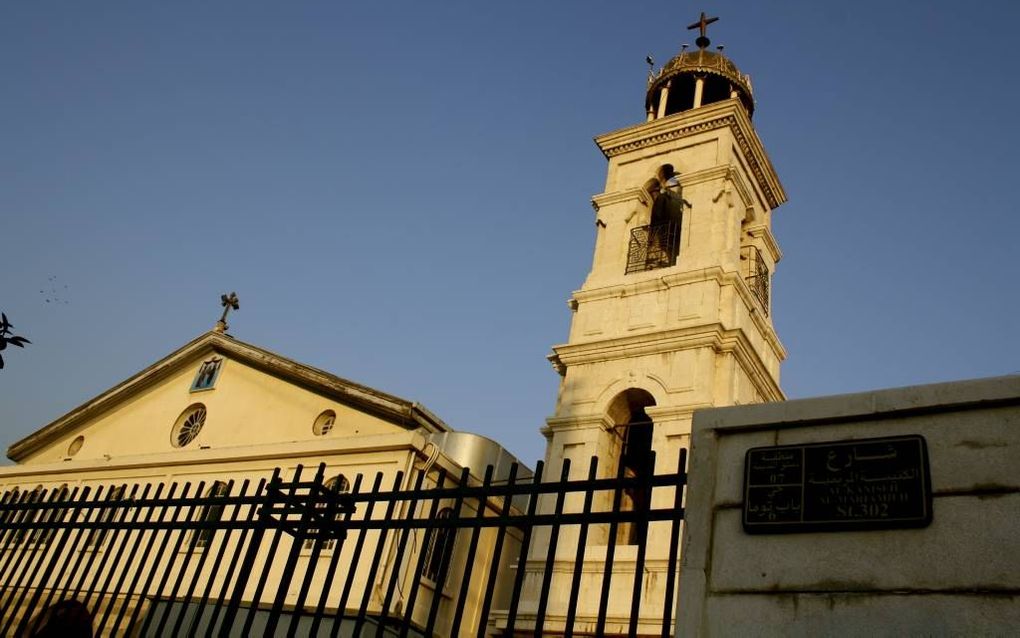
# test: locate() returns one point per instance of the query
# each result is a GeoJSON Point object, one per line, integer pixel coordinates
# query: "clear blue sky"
{"type": "Point", "coordinates": [399, 192]}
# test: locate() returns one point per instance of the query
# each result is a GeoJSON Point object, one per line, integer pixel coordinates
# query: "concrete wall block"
{"type": "Point", "coordinates": [955, 552]}
{"type": "Point", "coordinates": [861, 615]}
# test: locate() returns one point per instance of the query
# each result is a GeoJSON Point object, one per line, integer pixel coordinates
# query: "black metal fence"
{"type": "Point", "coordinates": [437, 556]}
{"type": "Point", "coordinates": [653, 247]}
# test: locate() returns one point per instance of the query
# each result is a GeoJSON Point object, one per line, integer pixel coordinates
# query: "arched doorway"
{"type": "Point", "coordinates": [633, 428]}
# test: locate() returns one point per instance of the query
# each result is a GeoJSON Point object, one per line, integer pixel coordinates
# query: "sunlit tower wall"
{"type": "Point", "coordinates": [675, 315]}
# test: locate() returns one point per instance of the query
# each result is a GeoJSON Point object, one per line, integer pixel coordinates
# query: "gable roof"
{"type": "Point", "coordinates": [407, 414]}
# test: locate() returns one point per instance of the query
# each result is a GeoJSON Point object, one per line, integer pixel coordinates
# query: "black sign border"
{"type": "Point", "coordinates": [786, 527]}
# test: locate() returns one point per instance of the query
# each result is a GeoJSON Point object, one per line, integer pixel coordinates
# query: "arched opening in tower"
{"type": "Point", "coordinates": [634, 429]}
{"type": "Point", "coordinates": [681, 94]}
{"type": "Point", "coordinates": [716, 89]}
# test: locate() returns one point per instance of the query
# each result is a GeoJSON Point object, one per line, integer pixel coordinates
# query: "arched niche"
{"type": "Point", "coordinates": [633, 428]}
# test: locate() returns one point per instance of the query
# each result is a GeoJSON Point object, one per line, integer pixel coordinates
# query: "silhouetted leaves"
{"type": "Point", "coordinates": [6, 337]}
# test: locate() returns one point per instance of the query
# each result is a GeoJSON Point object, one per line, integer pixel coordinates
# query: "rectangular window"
{"type": "Point", "coordinates": [209, 516]}
{"type": "Point", "coordinates": [438, 548]}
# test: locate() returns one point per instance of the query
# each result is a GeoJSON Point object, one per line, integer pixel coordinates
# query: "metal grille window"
{"type": "Point", "coordinates": [757, 277]}
{"type": "Point", "coordinates": [653, 247]}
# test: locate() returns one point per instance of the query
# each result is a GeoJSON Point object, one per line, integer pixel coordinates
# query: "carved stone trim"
{"type": "Point", "coordinates": [765, 235]}
{"type": "Point", "coordinates": [653, 133]}
{"type": "Point", "coordinates": [742, 188]}
{"type": "Point", "coordinates": [557, 365]}
{"type": "Point", "coordinates": [580, 422]}
{"type": "Point", "coordinates": [715, 336]}
{"type": "Point", "coordinates": [608, 199]}
{"type": "Point", "coordinates": [715, 273]}
{"type": "Point", "coordinates": [660, 413]}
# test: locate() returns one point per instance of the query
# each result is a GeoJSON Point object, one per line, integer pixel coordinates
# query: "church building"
{"type": "Point", "coordinates": [674, 316]}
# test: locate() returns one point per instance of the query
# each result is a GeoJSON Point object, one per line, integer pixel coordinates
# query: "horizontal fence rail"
{"type": "Point", "coordinates": [430, 554]}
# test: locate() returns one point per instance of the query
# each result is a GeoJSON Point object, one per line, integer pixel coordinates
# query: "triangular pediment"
{"type": "Point", "coordinates": [249, 395]}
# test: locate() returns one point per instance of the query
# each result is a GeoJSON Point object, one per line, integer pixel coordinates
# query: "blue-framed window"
{"type": "Point", "coordinates": [207, 375]}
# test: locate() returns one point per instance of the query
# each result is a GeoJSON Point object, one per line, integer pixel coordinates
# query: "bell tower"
{"type": "Point", "coordinates": [675, 314]}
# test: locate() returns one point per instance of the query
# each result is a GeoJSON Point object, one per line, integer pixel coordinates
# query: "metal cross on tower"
{"type": "Point", "coordinates": [229, 302]}
{"type": "Point", "coordinates": [702, 26]}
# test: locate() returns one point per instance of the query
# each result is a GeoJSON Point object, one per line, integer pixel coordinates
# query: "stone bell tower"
{"type": "Point", "coordinates": [675, 313]}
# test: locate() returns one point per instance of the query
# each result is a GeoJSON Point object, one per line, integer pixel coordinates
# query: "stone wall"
{"type": "Point", "coordinates": [958, 576]}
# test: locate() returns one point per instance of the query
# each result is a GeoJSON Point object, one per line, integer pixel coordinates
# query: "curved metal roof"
{"type": "Point", "coordinates": [702, 61]}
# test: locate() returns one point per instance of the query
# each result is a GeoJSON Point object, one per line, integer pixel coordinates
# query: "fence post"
{"type": "Point", "coordinates": [674, 544]}
{"type": "Point", "coordinates": [645, 485]}
{"type": "Point", "coordinates": [550, 559]}
{"type": "Point", "coordinates": [582, 541]}
{"type": "Point", "coordinates": [307, 513]}
{"type": "Point", "coordinates": [262, 524]}
{"type": "Point", "coordinates": [522, 560]}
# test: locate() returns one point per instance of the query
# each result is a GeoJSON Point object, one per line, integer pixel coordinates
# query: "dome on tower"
{"type": "Point", "coordinates": [721, 81]}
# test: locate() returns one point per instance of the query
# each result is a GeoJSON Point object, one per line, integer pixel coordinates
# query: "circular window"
{"type": "Point", "coordinates": [188, 425]}
{"type": "Point", "coordinates": [75, 445]}
{"type": "Point", "coordinates": [324, 423]}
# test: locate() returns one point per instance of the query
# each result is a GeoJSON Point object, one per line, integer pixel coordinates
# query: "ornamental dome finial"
{"type": "Point", "coordinates": [697, 77]}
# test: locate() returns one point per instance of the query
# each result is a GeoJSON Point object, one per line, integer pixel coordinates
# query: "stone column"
{"type": "Point", "coordinates": [699, 89]}
{"type": "Point", "coordinates": [663, 96]}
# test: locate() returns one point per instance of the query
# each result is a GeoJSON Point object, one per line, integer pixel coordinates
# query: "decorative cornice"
{"type": "Point", "coordinates": [659, 413]}
{"type": "Point", "coordinates": [651, 284]}
{"type": "Point", "coordinates": [765, 235]}
{"type": "Point", "coordinates": [727, 113]}
{"type": "Point", "coordinates": [557, 365]}
{"type": "Point", "coordinates": [691, 178]}
{"type": "Point", "coordinates": [742, 188]}
{"type": "Point", "coordinates": [736, 343]}
{"type": "Point", "coordinates": [580, 422]}
{"type": "Point", "coordinates": [657, 137]}
{"type": "Point", "coordinates": [616, 197]}
{"type": "Point", "coordinates": [405, 413]}
{"type": "Point", "coordinates": [643, 344]}
{"type": "Point", "coordinates": [175, 462]}
{"type": "Point", "coordinates": [664, 282]}
{"type": "Point", "coordinates": [715, 336]}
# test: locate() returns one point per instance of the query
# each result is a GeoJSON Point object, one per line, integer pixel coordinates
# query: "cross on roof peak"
{"type": "Point", "coordinates": [229, 302]}
{"type": "Point", "coordinates": [702, 26]}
